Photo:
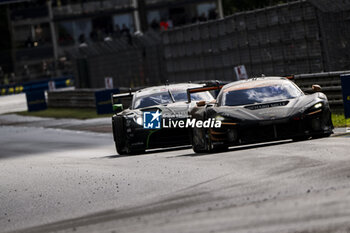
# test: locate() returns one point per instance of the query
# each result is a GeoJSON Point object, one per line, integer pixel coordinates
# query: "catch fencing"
{"type": "Point", "coordinates": [81, 98]}
{"type": "Point", "coordinates": [78, 98]}
{"type": "Point", "coordinates": [131, 62]}
{"type": "Point", "coordinates": [329, 81]}
{"type": "Point", "coordinates": [279, 40]}
{"type": "Point", "coordinates": [293, 38]}
{"type": "Point", "coordinates": [306, 36]}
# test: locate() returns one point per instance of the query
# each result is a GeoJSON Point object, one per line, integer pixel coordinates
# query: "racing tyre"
{"type": "Point", "coordinates": [119, 141]}
{"type": "Point", "coordinates": [137, 152]}
{"type": "Point", "coordinates": [126, 150]}
{"type": "Point", "coordinates": [300, 138]}
{"type": "Point", "coordinates": [198, 141]}
{"type": "Point", "coordinates": [120, 150]}
{"type": "Point", "coordinates": [215, 148]}
{"type": "Point", "coordinates": [131, 151]}
{"type": "Point", "coordinates": [221, 148]}
{"type": "Point", "coordinates": [324, 135]}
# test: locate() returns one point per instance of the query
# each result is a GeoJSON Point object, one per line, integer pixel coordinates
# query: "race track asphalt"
{"type": "Point", "coordinates": [59, 180]}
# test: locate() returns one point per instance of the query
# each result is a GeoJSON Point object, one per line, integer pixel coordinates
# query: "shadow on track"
{"type": "Point", "coordinates": [237, 148]}
{"type": "Point", "coordinates": [153, 151]}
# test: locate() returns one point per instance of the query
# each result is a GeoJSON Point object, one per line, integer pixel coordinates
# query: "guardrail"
{"type": "Point", "coordinates": [80, 98]}
{"type": "Point", "coordinates": [330, 83]}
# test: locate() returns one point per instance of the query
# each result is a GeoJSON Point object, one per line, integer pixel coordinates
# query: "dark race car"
{"type": "Point", "coordinates": [259, 110]}
{"type": "Point", "coordinates": [168, 101]}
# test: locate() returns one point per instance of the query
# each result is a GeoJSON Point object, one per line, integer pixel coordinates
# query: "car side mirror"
{"type": "Point", "coordinates": [117, 108]}
{"type": "Point", "coordinates": [201, 103]}
{"type": "Point", "coordinates": [316, 88]}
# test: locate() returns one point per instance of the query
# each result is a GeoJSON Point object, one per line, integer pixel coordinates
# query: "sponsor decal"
{"type": "Point", "coordinates": [191, 123]}
{"type": "Point", "coordinates": [270, 105]}
{"type": "Point", "coordinates": [154, 120]}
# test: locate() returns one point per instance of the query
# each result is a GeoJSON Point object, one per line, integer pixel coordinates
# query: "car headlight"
{"type": "Point", "coordinates": [138, 119]}
{"type": "Point", "coordinates": [219, 118]}
{"type": "Point", "coordinates": [315, 109]}
{"type": "Point", "coordinates": [318, 105]}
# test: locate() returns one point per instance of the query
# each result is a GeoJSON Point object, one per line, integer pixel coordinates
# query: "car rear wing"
{"type": "Point", "coordinates": [202, 89]}
{"type": "Point", "coordinates": [124, 98]}
{"type": "Point", "coordinates": [116, 97]}
{"type": "Point", "coordinates": [212, 82]}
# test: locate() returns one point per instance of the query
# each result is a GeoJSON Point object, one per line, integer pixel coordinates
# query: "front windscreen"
{"type": "Point", "coordinates": [160, 98]}
{"type": "Point", "coordinates": [181, 96]}
{"type": "Point", "coordinates": [259, 94]}
{"type": "Point", "coordinates": [163, 98]}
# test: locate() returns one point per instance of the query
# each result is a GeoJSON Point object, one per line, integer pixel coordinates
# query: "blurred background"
{"type": "Point", "coordinates": [147, 42]}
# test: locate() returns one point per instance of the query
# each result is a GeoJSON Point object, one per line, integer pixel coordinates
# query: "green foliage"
{"type": "Point", "coordinates": [339, 120]}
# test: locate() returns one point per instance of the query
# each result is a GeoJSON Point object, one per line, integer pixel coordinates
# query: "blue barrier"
{"type": "Point", "coordinates": [36, 101]}
{"type": "Point", "coordinates": [42, 85]}
{"type": "Point", "coordinates": [345, 85]}
{"type": "Point", "coordinates": [104, 101]}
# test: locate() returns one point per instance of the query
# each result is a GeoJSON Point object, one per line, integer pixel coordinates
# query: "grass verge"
{"type": "Point", "coordinates": [339, 120]}
{"type": "Point", "coordinates": [76, 113]}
